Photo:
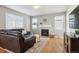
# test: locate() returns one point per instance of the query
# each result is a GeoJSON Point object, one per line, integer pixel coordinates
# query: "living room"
{"type": "Point", "coordinates": [42, 27]}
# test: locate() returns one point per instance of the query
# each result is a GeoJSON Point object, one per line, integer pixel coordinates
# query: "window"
{"type": "Point", "coordinates": [59, 22]}
{"type": "Point", "coordinates": [13, 21]}
{"type": "Point", "coordinates": [72, 21]}
{"type": "Point", "coordinates": [34, 23]}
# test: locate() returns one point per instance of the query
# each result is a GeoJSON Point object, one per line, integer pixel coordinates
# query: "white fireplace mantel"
{"type": "Point", "coordinates": [43, 26]}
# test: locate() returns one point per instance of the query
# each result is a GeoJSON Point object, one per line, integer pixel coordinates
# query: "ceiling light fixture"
{"type": "Point", "coordinates": [36, 7]}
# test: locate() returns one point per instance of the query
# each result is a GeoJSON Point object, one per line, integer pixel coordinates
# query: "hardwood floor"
{"type": "Point", "coordinates": [3, 50]}
{"type": "Point", "coordinates": [54, 45]}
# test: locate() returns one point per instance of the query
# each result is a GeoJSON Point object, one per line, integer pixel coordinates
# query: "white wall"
{"type": "Point", "coordinates": [71, 8]}
{"type": "Point", "coordinates": [50, 21]}
{"type": "Point", "coordinates": [4, 10]}
{"type": "Point", "coordinates": [27, 23]}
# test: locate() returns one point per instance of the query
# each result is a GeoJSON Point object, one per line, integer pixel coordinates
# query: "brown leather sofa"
{"type": "Point", "coordinates": [15, 41]}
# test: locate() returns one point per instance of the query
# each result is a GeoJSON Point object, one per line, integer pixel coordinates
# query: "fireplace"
{"type": "Point", "coordinates": [44, 32]}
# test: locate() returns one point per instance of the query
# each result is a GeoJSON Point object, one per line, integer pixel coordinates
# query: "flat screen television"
{"type": "Point", "coordinates": [74, 18]}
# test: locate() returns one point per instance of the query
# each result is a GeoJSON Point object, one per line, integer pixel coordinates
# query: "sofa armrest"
{"type": "Point", "coordinates": [29, 42]}
{"type": "Point", "coordinates": [31, 37]}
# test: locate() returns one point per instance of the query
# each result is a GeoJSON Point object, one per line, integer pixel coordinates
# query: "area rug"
{"type": "Point", "coordinates": [38, 46]}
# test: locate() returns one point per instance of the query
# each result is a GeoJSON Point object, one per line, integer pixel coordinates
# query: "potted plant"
{"type": "Point", "coordinates": [77, 32]}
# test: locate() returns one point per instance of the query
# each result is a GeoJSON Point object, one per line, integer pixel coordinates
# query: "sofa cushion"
{"type": "Point", "coordinates": [14, 33]}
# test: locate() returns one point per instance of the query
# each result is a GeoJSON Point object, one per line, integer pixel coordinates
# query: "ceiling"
{"type": "Point", "coordinates": [43, 9]}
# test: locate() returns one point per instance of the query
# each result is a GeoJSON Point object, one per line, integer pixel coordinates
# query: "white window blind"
{"type": "Point", "coordinates": [13, 21]}
{"type": "Point", "coordinates": [59, 21]}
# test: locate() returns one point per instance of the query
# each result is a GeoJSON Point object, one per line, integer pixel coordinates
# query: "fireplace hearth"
{"type": "Point", "coordinates": [44, 32]}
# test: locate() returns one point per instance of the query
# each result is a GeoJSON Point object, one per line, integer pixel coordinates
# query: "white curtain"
{"type": "Point", "coordinates": [14, 21]}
